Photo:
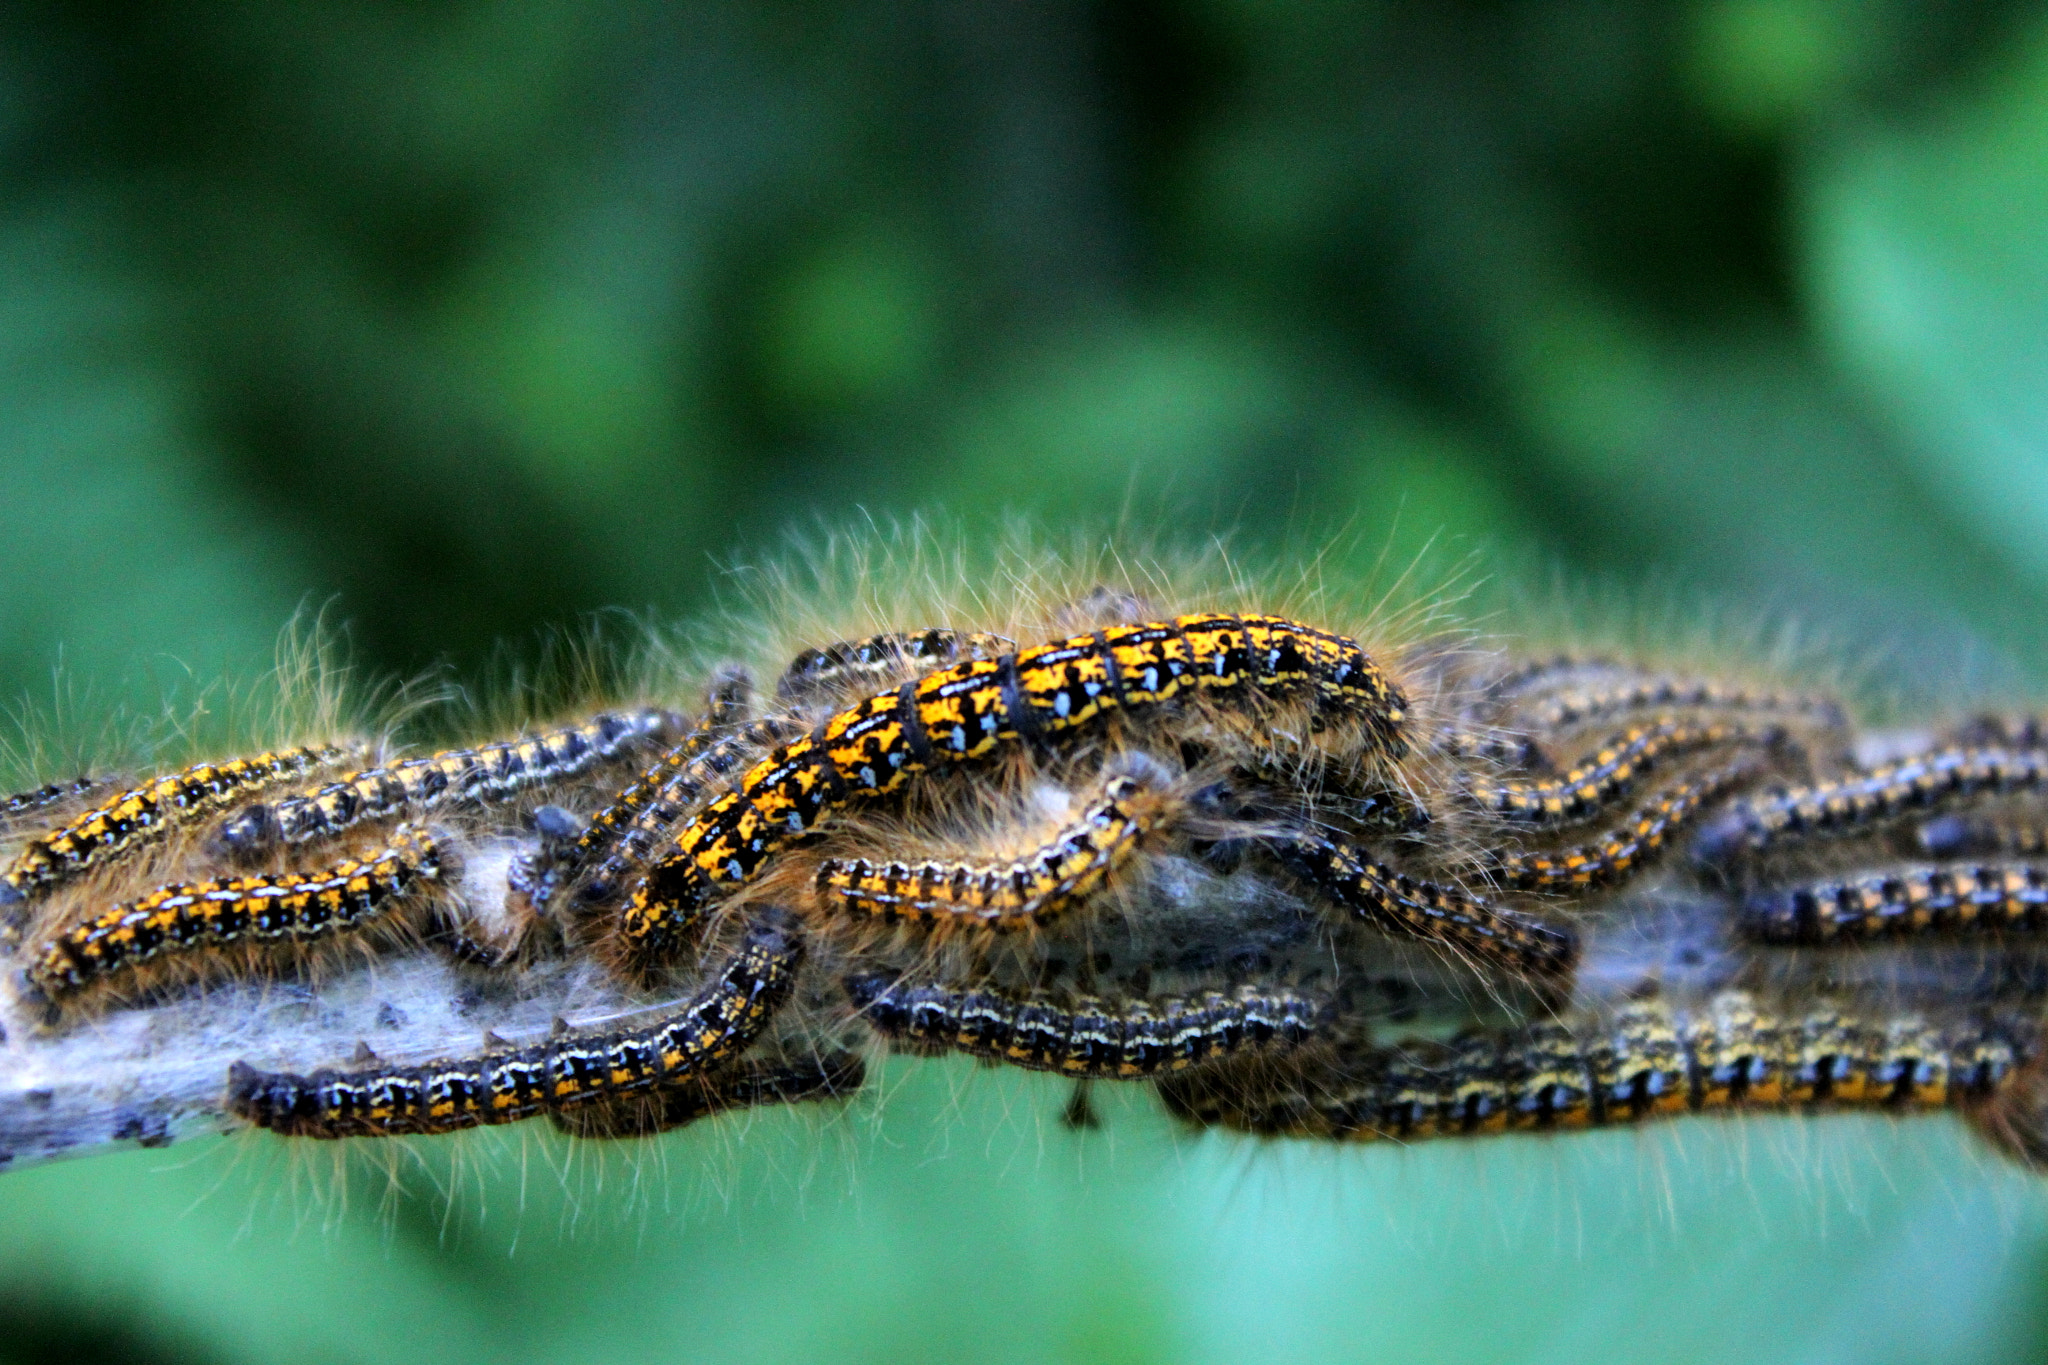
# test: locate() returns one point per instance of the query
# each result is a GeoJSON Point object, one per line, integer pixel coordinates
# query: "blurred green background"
{"type": "Point", "coordinates": [477, 317]}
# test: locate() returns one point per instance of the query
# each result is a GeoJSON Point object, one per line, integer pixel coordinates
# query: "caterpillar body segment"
{"type": "Point", "coordinates": [146, 815]}
{"type": "Point", "coordinates": [1020, 893]}
{"type": "Point", "coordinates": [1856, 804]}
{"type": "Point", "coordinates": [1088, 1038]}
{"type": "Point", "coordinates": [562, 1073]}
{"type": "Point", "coordinates": [746, 1086]}
{"type": "Point", "coordinates": [963, 714]}
{"type": "Point", "coordinates": [1648, 1060]}
{"type": "Point", "coordinates": [1609, 772]}
{"type": "Point", "coordinates": [484, 775]}
{"type": "Point", "coordinates": [1428, 912]}
{"type": "Point", "coordinates": [281, 909]}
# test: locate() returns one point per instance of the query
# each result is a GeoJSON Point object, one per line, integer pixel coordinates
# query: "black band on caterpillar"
{"type": "Point", "coordinates": [1984, 898]}
{"type": "Point", "coordinates": [852, 667]}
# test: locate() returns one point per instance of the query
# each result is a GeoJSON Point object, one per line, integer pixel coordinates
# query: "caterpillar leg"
{"type": "Point", "coordinates": [563, 1073]}
{"type": "Point", "coordinates": [486, 775]}
{"type": "Point", "coordinates": [1078, 1114]}
{"type": "Point", "coordinates": [1016, 893]}
{"type": "Point", "coordinates": [746, 1086]}
{"type": "Point", "coordinates": [193, 922]}
{"type": "Point", "coordinates": [1088, 1039]}
{"type": "Point", "coordinates": [1427, 912]}
{"type": "Point", "coordinates": [1647, 1060]}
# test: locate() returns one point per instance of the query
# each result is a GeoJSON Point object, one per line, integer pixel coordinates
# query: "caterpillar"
{"type": "Point", "coordinates": [558, 1074]}
{"type": "Point", "coordinates": [1650, 1060]}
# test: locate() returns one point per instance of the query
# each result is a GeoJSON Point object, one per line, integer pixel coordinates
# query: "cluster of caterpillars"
{"type": "Point", "coordinates": [1303, 887]}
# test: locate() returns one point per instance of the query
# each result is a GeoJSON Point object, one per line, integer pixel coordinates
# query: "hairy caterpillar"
{"type": "Point", "coordinates": [1145, 824]}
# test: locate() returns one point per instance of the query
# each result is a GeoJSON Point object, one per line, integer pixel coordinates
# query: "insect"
{"type": "Point", "coordinates": [1307, 874]}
